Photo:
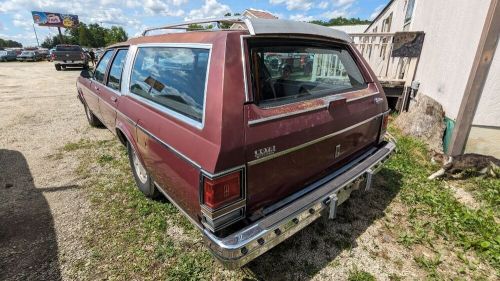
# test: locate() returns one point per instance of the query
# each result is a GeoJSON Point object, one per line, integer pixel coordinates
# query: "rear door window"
{"type": "Point", "coordinates": [285, 71]}
{"type": "Point", "coordinates": [100, 69]}
{"type": "Point", "coordinates": [172, 77]}
{"type": "Point", "coordinates": [115, 72]}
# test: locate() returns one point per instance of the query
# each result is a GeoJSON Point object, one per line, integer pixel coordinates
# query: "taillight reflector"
{"type": "Point", "coordinates": [220, 191]}
{"type": "Point", "coordinates": [385, 121]}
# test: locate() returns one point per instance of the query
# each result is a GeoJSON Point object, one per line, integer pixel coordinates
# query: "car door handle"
{"type": "Point", "coordinates": [114, 99]}
{"type": "Point", "coordinates": [378, 100]}
{"type": "Point", "coordinates": [97, 88]}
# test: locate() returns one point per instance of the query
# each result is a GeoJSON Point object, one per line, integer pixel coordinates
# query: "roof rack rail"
{"type": "Point", "coordinates": [185, 25]}
{"type": "Point", "coordinates": [258, 26]}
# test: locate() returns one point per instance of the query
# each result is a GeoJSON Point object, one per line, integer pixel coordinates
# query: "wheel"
{"type": "Point", "coordinates": [141, 176]}
{"type": "Point", "coordinates": [58, 67]}
{"type": "Point", "coordinates": [93, 120]}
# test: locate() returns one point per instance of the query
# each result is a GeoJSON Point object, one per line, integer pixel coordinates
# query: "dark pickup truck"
{"type": "Point", "coordinates": [69, 56]}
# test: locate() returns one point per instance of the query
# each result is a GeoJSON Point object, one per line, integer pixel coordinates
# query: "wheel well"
{"type": "Point", "coordinates": [121, 137]}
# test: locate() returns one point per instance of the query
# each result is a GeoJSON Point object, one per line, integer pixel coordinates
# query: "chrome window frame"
{"type": "Point", "coordinates": [108, 71]}
{"type": "Point", "coordinates": [133, 50]}
{"type": "Point", "coordinates": [107, 66]}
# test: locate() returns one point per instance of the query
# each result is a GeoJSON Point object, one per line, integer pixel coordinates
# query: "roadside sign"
{"type": "Point", "coordinates": [55, 19]}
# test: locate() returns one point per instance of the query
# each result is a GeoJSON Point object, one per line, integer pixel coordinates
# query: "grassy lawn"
{"type": "Point", "coordinates": [131, 237]}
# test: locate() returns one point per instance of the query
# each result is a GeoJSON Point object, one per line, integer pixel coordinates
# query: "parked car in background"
{"type": "Point", "coordinates": [249, 157]}
{"type": "Point", "coordinates": [8, 55]}
{"type": "Point", "coordinates": [69, 56]}
{"type": "Point", "coordinates": [44, 53]}
{"type": "Point", "coordinates": [29, 56]}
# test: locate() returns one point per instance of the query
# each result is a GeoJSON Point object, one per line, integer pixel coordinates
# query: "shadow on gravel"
{"type": "Point", "coordinates": [28, 244]}
{"type": "Point", "coordinates": [303, 255]}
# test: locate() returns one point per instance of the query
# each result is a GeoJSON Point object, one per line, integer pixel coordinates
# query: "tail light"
{"type": "Point", "coordinates": [383, 126]}
{"type": "Point", "coordinates": [221, 191]}
{"type": "Point", "coordinates": [222, 199]}
{"type": "Point", "coordinates": [82, 55]}
{"type": "Point", "coordinates": [53, 56]}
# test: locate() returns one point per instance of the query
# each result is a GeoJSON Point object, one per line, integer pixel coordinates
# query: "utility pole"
{"type": "Point", "coordinates": [60, 34]}
{"type": "Point", "coordinates": [36, 36]}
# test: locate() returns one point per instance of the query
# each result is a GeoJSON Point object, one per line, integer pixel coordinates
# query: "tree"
{"type": "Point", "coordinates": [92, 35]}
{"type": "Point", "coordinates": [10, 44]}
{"type": "Point", "coordinates": [114, 35]}
{"type": "Point", "coordinates": [341, 21]}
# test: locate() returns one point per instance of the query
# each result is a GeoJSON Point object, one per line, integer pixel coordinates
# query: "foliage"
{"type": "Point", "coordinates": [9, 44]}
{"type": "Point", "coordinates": [434, 213]}
{"type": "Point", "coordinates": [359, 275]}
{"type": "Point", "coordinates": [341, 21]}
{"type": "Point", "coordinates": [92, 35]}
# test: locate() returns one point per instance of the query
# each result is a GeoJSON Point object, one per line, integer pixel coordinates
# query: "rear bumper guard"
{"type": "Point", "coordinates": [247, 244]}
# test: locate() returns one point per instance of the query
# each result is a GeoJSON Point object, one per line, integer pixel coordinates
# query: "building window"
{"type": "Point", "coordinates": [409, 11]}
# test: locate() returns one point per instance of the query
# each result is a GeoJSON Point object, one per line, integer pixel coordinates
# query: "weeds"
{"type": "Point", "coordinates": [359, 275]}
{"type": "Point", "coordinates": [434, 213]}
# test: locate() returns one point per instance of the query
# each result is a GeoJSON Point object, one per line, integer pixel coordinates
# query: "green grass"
{"type": "Point", "coordinates": [131, 237]}
{"type": "Point", "coordinates": [359, 275]}
{"type": "Point", "coordinates": [434, 213]}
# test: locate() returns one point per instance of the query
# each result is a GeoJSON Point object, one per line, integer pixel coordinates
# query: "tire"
{"type": "Point", "coordinates": [142, 178]}
{"type": "Point", "coordinates": [58, 67]}
{"type": "Point", "coordinates": [93, 120]}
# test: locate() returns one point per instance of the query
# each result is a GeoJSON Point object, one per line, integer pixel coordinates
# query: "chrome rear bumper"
{"type": "Point", "coordinates": [245, 245]}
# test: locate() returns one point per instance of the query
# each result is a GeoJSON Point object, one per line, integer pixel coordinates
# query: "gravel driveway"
{"type": "Point", "coordinates": [41, 203]}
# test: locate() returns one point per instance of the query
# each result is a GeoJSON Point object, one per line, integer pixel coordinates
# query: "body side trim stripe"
{"type": "Point", "coordinates": [309, 143]}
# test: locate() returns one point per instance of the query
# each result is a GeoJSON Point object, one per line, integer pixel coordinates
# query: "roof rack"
{"type": "Point", "coordinates": [258, 26]}
{"type": "Point", "coordinates": [185, 25]}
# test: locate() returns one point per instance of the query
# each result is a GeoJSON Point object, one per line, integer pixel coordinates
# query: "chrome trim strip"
{"type": "Point", "coordinates": [197, 224]}
{"type": "Point", "coordinates": [284, 115]}
{"type": "Point", "coordinates": [241, 203]}
{"type": "Point", "coordinates": [362, 97]}
{"type": "Point", "coordinates": [224, 172]}
{"type": "Point", "coordinates": [243, 63]}
{"type": "Point", "coordinates": [292, 149]}
{"type": "Point", "coordinates": [169, 147]}
{"type": "Point", "coordinates": [172, 113]}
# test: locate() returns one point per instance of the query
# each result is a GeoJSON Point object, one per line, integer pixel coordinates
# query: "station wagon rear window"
{"type": "Point", "coordinates": [173, 77]}
{"type": "Point", "coordinates": [286, 71]}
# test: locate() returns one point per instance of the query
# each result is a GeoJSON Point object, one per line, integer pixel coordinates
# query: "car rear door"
{"type": "Point", "coordinates": [303, 123]}
{"type": "Point", "coordinates": [92, 93]}
{"type": "Point", "coordinates": [110, 94]}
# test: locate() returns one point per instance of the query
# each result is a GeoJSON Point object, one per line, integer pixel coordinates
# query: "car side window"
{"type": "Point", "coordinates": [100, 70]}
{"type": "Point", "coordinates": [173, 77]}
{"type": "Point", "coordinates": [115, 72]}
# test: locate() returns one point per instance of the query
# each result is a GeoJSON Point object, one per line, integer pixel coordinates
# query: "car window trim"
{"type": "Point", "coordinates": [107, 66]}
{"type": "Point", "coordinates": [109, 70]}
{"type": "Point", "coordinates": [262, 104]}
{"type": "Point", "coordinates": [167, 111]}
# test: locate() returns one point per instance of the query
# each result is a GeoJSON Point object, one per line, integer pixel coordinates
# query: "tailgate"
{"type": "Point", "coordinates": [294, 136]}
{"type": "Point", "coordinates": [68, 56]}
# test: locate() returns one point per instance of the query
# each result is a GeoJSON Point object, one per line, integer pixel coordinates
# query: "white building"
{"type": "Point", "coordinates": [448, 70]}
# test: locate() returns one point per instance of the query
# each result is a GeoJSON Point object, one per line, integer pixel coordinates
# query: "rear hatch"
{"type": "Point", "coordinates": [314, 109]}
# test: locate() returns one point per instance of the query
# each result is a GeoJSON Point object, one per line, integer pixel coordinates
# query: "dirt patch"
{"type": "Point", "coordinates": [42, 203]}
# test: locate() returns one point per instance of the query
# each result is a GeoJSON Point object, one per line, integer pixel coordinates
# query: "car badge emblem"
{"type": "Point", "coordinates": [266, 151]}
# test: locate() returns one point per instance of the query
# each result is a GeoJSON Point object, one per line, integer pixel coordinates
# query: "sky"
{"type": "Point", "coordinates": [16, 22]}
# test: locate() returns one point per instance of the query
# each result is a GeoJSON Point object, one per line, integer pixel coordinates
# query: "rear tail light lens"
{"type": "Point", "coordinates": [383, 126]}
{"type": "Point", "coordinates": [221, 191]}
{"type": "Point", "coordinates": [82, 55]}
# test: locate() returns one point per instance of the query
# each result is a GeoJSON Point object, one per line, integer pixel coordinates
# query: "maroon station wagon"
{"type": "Point", "coordinates": [253, 134]}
